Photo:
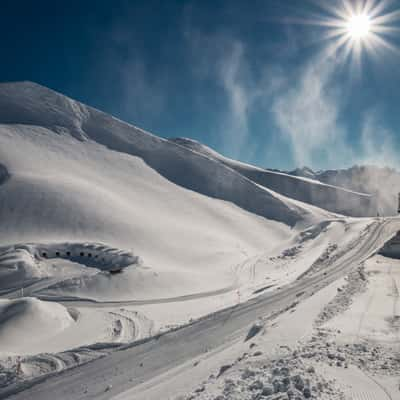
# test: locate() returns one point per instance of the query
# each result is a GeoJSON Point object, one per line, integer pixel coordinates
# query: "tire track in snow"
{"type": "Point", "coordinates": [396, 296]}
{"type": "Point", "coordinates": [382, 392]}
{"type": "Point", "coordinates": [362, 317]}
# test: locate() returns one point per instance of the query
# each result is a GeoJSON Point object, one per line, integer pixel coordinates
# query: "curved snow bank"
{"type": "Point", "coordinates": [26, 321]}
{"type": "Point", "coordinates": [23, 264]}
{"type": "Point", "coordinates": [28, 103]}
{"type": "Point", "coordinates": [95, 255]}
{"type": "Point", "coordinates": [332, 198]}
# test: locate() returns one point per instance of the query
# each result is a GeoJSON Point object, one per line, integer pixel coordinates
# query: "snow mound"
{"type": "Point", "coordinates": [29, 320]}
{"type": "Point", "coordinates": [329, 197]}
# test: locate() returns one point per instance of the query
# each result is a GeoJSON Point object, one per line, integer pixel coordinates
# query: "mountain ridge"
{"type": "Point", "coordinates": [32, 104]}
{"type": "Point", "coordinates": [333, 198]}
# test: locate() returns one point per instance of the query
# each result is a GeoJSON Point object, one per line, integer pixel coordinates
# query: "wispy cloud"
{"type": "Point", "coordinates": [224, 60]}
{"type": "Point", "coordinates": [135, 87]}
{"type": "Point", "coordinates": [378, 144]}
{"type": "Point", "coordinates": [236, 118]}
{"type": "Point", "coordinates": [221, 59]}
{"type": "Point", "coordinates": [305, 107]}
{"type": "Point", "coordinates": [308, 111]}
{"type": "Point", "coordinates": [142, 94]}
{"type": "Point", "coordinates": [302, 107]}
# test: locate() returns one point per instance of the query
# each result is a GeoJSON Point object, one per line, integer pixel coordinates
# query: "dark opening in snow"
{"type": "Point", "coordinates": [115, 271]}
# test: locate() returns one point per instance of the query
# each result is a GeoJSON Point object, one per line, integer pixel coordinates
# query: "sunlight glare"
{"type": "Point", "coordinates": [359, 26]}
{"type": "Point", "coordinates": [355, 27]}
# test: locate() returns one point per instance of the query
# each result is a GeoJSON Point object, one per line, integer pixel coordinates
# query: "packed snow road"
{"type": "Point", "coordinates": [124, 369]}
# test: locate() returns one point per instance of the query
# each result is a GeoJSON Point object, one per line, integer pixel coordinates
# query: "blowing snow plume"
{"type": "Point", "coordinates": [328, 196]}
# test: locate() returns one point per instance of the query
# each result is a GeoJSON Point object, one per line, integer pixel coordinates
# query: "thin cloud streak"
{"type": "Point", "coordinates": [307, 114]}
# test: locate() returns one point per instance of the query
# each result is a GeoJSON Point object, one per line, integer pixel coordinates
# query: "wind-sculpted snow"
{"type": "Point", "coordinates": [43, 318]}
{"type": "Point", "coordinates": [24, 264]}
{"type": "Point", "coordinates": [32, 326]}
{"type": "Point", "coordinates": [28, 103]}
{"type": "Point", "coordinates": [31, 104]}
{"type": "Point", "coordinates": [95, 255]}
{"type": "Point", "coordinates": [332, 198]}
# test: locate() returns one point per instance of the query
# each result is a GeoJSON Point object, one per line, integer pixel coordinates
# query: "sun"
{"type": "Point", "coordinates": [359, 26]}
{"type": "Point", "coordinates": [354, 27]}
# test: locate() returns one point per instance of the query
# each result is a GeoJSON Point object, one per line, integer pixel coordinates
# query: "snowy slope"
{"type": "Point", "coordinates": [302, 188]}
{"type": "Point", "coordinates": [77, 175]}
{"type": "Point", "coordinates": [30, 104]}
{"type": "Point", "coordinates": [382, 183]}
{"type": "Point", "coordinates": [191, 233]}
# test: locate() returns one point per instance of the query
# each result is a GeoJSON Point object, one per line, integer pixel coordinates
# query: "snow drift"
{"type": "Point", "coordinates": [45, 320]}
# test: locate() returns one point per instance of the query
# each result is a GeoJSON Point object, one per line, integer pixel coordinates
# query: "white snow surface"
{"type": "Point", "coordinates": [75, 174]}
{"type": "Point", "coordinates": [75, 180]}
{"type": "Point", "coordinates": [110, 234]}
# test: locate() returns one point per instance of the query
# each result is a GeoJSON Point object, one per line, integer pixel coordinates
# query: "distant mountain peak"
{"type": "Point", "coordinates": [305, 172]}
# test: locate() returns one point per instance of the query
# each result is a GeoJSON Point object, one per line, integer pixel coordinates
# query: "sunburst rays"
{"type": "Point", "coordinates": [355, 27]}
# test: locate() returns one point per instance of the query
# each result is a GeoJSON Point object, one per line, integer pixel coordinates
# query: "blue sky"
{"type": "Point", "coordinates": [245, 78]}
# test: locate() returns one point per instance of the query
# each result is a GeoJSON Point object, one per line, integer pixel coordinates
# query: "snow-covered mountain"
{"type": "Point", "coordinates": [304, 187]}
{"type": "Point", "coordinates": [382, 183]}
{"type": "Point", "coordinates": [72, 174]}
{"type": "Point", "coordinates": [110, 235]}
